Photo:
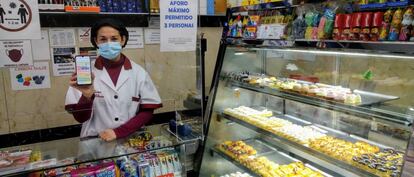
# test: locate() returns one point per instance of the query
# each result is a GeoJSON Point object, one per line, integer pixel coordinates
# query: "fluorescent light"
{"type": "Point", "coordinates": [356, 53]}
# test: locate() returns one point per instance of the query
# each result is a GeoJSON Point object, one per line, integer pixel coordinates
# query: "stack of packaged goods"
{"type": "Point", "coordinates": [123, 6]}
{"type": "Point", "coordinates": [152, 164]}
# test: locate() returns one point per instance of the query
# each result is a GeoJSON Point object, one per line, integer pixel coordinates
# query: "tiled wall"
{"type": "Point", "coordinates": [174, 74]}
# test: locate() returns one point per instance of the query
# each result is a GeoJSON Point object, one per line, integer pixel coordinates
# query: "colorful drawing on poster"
{"type": "Point", "coordinates": [30, 77]}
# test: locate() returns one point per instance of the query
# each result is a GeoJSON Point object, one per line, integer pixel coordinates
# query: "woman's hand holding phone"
{"type": "Point", "coordinates": [87, 90]}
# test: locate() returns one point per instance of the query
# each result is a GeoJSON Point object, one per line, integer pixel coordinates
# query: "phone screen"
{"type": "Point", "coordinates": [83, 70]}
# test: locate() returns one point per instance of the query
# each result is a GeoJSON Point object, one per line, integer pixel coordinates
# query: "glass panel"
{"type": "Point", "coordinates": [269, 100]}
{"type": "Point", "coordinates": [74, 151]}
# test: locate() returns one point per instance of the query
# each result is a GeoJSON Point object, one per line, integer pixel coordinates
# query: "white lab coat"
{"type": "Point", "coordinates": [113, 105]}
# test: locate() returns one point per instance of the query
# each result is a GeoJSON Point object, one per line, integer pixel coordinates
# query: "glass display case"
{"type": "Point", "coordinates": [153, 151]}
{"type": "Point", "coordinates": [310, 112]}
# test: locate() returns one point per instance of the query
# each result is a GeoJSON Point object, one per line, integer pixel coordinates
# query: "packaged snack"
{"type": "Point", "coordinates": [309, 21]}
{"type": "Point", "coordinates": [315, 24]}
{"type": "Point", "coordinates": [157, 167]}
{"type": "Point", "coordinates": [347, 27]}
{"type": "Point", "coordinates": [83, 172]}
{"type": "Point", "coordinates": [376, 24]}
{"type": "Point", "coordinates": [325, 27]}
{"type": "Point", "coordinates": [176, 163]}
{"type": "Point", "coordinates": [395, 25]}
{"type": "Point", "coordinates": [60, 172]}
{"type": "Point", "coordinates": [408, 19]}
{"type": "Point", "coordinates": [44, 163]}
{"type": "Point", "coordinates": [106, 170]}
{"type": "Point", "coordinates": [299, 25]}
{"type": "Point", "coordinates": [170, 164]}
{"type": "Point", "coordinates": [338, 26]}
{"type": "Point", "coordinates": [250, 31]}
{"type": "Point", "coordinates": [366, 26]}
{"type": "Point", "coordinates": [144, 169]}
{"type": "Point", "coordinates": [355, 26]}
{"type": "Point", "coordinates": [385, 27]}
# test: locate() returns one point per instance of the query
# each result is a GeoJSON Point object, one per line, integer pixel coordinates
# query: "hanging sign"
{"type": "Point", "coordinates": [19, 19]}
{"type": "Point", "coordinates": [178, 25]}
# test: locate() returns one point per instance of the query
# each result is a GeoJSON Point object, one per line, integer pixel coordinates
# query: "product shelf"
{"type": "Point", "coordinates": [308, 153]}
{"type": "Point", "coordinates": [366, 111]}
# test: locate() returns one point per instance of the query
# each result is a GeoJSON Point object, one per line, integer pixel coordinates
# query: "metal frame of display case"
{"type": "Point", "coordinates": [306, 153]}
{"type": "Point", "coordinates": [325, 161]}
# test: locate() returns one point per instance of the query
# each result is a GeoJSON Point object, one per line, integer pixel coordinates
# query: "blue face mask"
{"type": "Point", "coordinates": [110, 50]}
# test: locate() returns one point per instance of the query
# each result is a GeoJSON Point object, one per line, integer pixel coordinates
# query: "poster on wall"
{"type": "Point", "coordinates": [15, 53]}
{"type": "Point", "coordinates": [62, 37]}
{"type": "Point", "coordinates": [41, 49]}
{"type": "Point", "coordinates": [63, 61]}
{"type": "Point", "coordinates": [84, 36]}
{"type": "Point", "coordinates": [152, 36]}
{"type": "Point", "coordinates": [136, 38]}
{"type": "Point", "coordinates": [178, 25]}
{"type": "Point", "coordinates": [19, 19]}
{"type": "Point", "coordinates": [30, 77]}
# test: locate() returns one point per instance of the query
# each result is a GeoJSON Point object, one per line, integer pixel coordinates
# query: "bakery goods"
{"type": "Point", "coordinates": [386, 163]}
{"type": "Point", "coordinates": [341, 149]}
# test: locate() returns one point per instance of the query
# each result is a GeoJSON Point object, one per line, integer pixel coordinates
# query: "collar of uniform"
{"type": "Point", "coordinates": [99, 63]}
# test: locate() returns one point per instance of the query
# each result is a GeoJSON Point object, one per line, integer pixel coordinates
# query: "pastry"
{"type": "Point", "coordinates": [386, 163]}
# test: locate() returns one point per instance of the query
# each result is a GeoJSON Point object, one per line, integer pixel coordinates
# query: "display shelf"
{"type": "Point", "coordinates": [387, 5]}
{"type": "Point", "coordinates": [69, 19]}
{"type": "Point", "coordinates": [358, 42]}
{"type": "Point", "coordinates": [306, 152]}
{"type": "Point", "coordinates": [263, 6]}
{"type": "Point", "coordinates": [264, 150]}
{"type": "Point", "coordinates": [82, 151]}
{"type": "Point", "coordinates": [367, 111]}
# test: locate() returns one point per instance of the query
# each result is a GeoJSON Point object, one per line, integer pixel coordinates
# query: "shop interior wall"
{"type": "Point", "coordinates": [173, 73]}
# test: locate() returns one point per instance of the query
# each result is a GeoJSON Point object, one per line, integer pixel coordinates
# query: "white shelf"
{"type": "Point", "coordinates": [360, 42]}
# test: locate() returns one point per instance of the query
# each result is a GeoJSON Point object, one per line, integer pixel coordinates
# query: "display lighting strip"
{"type": "Point", "coordinates": [356, 54]}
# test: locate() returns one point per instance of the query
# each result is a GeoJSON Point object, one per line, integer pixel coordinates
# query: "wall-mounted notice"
{"type": "Point", "coordinates": [152, 36]}
{"type": "Point", "coordinates": [63, 61]}
{"type": "Point", "coordinates": [178, 25]}
{"type": "Point", "coordinates": [19, 19]}
{"type": "Point", "coordinates": [15, 53]}
{"type": "Point", "coordinates": [30, 77]}
{"type": "Point", "coordinates": [61, 37]}
{"type": "Point", "coordinates": [136, 38]}
{"type": "Point", "coordinates": [41, 49]}
{"type": "Point", "coordinates": [84, 36]}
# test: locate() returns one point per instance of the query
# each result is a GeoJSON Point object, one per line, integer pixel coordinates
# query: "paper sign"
{"type": "Point", "coordinates": [19, 19]}
{"type": "Point", "coordinates": [60, 37]}
{"type": "Point", "coordinates": [136, 38]}
{"type": "Point", "coordinates": [84, 36]}
{"type": "Point", "coordinates": [178, 25]}
{"type": "Point", "coordinates": [272, 31]}
{"type": "Point", "coordinates": [15, 53]}
{"type": "Point", "coordinates": [63, 61]}
{"type": "Point", "coordinates": [41, 50]}
{"type": "Point", "coordinates": [30, 77]}
{"type": "Point", "coordinates": [152, 36]}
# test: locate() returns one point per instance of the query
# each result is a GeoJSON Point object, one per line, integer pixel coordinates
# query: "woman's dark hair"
{"type": "Point", "coordinates": [111, 23]}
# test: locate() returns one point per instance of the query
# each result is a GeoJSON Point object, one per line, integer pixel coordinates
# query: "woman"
{"type": "Point", "coordinates": [122, 97]}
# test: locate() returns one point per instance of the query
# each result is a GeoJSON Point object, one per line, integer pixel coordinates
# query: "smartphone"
{"type": "Point", "coordinates": [83, 70]}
